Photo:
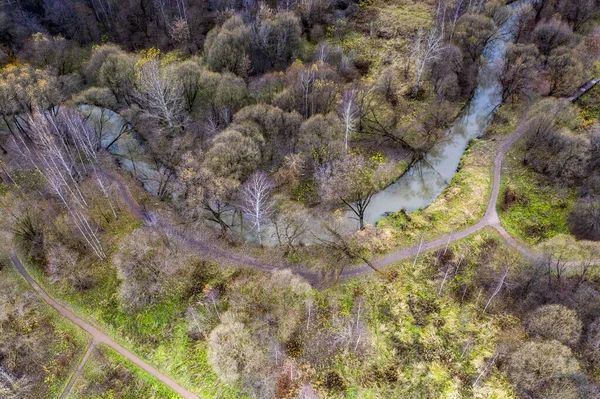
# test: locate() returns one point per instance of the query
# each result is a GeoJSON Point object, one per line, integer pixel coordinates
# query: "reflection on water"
{"type": "Point", "coordinates": [119, 139]}
{"type": "Point", "coordinates": [426, 180]}
{"type": "Point", "coordinates": [416, 189]}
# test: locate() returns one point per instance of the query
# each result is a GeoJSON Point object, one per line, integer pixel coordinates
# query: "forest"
{"type": "Point", "coordinates": [300, 199]}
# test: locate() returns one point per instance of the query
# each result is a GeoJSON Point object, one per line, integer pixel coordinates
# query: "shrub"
{"type": "Point", "coordinates": [584, 220]}
{"type": "Point", "coordinates": [556, 322]}
{"type": "Point", "coordinates": [536, 364]}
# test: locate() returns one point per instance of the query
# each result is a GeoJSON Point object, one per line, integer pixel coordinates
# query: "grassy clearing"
{"type": "Point", "coordinates": [531, 208]}
{"type": "Point", "coordinates": [419, 336]}
{"type": "Point", "coordinates": [381, 32]}
{"type": "Point", "coordinates": [36, 342]}
{"type": "Point", "coordinates": [107, 374]}
{"type": "Point", "coordinates": [157, 333]}
{"type": "Point", "coordinates": [464, 201]}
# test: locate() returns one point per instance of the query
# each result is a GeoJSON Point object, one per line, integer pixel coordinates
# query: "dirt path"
{"type": "Point", "coordinates": [77, 372]}
{"type": "Point", "coordinates": [490, 219]}
{"type": "Point", "coordinates": [98, 337]}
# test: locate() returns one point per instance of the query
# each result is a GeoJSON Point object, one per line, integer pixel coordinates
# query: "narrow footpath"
{"type": "Point", "coordinates": [490, 219]}
{"type": "Point", "coordinates": [98, 337]}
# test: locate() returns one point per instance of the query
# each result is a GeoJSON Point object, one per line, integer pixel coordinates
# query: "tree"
{"type": "Point", "coordinates": [555, 322]}
{"type": "Point", "coordinates": [189, 77]}
{"type": "Point", "coordinates": [445, 70]}
{"type": "Point", "coordinates": [65, 56]}
{"type": "Point", "coordinates": [53, 144]}
{"type": "Point", "coordinates": [256, 201]}
{"type": "Point", "coordinates": [118, 74]}
{"type": "Point", "coordinates": [235, 153]}
{"type": "Point", "coordinates": [159, 92]}
{"type": "Point", "coordinates": [535, 364]}
{"type": "Point", "coordinates": [179, 29]}
{"type": "Point", "coordinates": [321, 137]}
{"type": "Point", "coordinates": [519, 70]}
{"type": "Point", "coordinates": [427, 48]}
{"type": "Point", "coordinates": [233, 352]}
{"type": "Point", "coordinates": [279, 128]}
{"type": "Point", "coordinates": [227, 48]}
{"type": "Point", "coordinates": [276, 40]}
{"type": "Point", "coordinates": [551, 147]}
{"type": "Point", "coordinates": [91, 69]}
{"type": "Point", "coordinates": [552, 34]}
{"type": "Point", "coordinates": [473, 33]}
{"type": "Point", "coordinates": [204, 193]}
{"type": "Point", "coordinates": [145, 261]}
{"type": "Point", "coordinates": [99, 96]}
{"type": "Point", "coordinates": [592, 342]}
{"type": "Point", "coordinates": [349, 114]}
{"type": "Point", "coordinates": [584, 219]}
{"type": "Point", "coordinates": [564, 70]}
{"type": "Point", "coordinates": [524, 22]}
{"type": "Point", "coordinates": [352, 180]}
{"type": "Point", "coordinates": [23, 89]}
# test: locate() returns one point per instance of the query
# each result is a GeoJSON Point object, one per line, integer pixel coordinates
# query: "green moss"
{"type": "Point", "coordinates": [107, 374]}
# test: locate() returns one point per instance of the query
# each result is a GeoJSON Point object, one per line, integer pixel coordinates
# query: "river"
{"type": "Point", "coordinates": [416, 189]}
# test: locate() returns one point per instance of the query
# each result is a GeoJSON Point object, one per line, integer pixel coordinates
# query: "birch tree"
{"type": "Point", "coordinates": [159, 92]}
{"type": "Point", "coordinates": [349, 113]}
{"type": "Point", "coordinates": [47, 149]}
{"type": "Point", "coordinates": [256, 201]}
{"type": "Point", "coordinates": [427, 48]}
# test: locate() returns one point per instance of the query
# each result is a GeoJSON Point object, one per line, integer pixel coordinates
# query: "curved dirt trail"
{"type": "Point", "coordinates": [490, 219]}
{"type": "Point", "coordinates": [98, 337]}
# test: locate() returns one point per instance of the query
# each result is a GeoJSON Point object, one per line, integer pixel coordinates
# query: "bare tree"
{"type": "Point", "coordinates": [498, 288]}
{"type": "Point", "coordinates": [49, 151]}
{"type": "Point", "coordinates": [344, 248]}
{"type": "Point", "coordinates": [427, 48]}
{"type": "Point", "coordinates": [289, 228]}
{"type": "Point", "coordinates": [352, 181]}
{"type": "Point", "coordinates": [256, 201]}
{"type": "Point", "coordinates": [349, 114]}
{"type": "Point", "coordinates": [160, 93]}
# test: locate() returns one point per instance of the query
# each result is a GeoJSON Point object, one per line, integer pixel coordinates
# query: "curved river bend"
{"type": "Point", "coordinates": [416, 189]}
{"type": "Point", "coordinates": [425, 181]}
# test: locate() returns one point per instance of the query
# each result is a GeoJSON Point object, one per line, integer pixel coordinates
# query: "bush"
{"type": "Point", "coordinates": [592, 343]}
{"type": "Point", "coordinates": [584, 220]}
{"type": "Point", "coordinates": [536, 364]}
{"type": "Point", "coordinates": [556, 322]}
{"type": "Point", "coordinates": [145, 262]}
{"type": "Point", "coordinates": [99, 96]}
{"type": "Point", "coordinates": [232, 351]}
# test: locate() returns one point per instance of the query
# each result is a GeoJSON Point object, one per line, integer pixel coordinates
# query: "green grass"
{"type": "Point", "coordinates": [107, 374]}
{"type": "Point", "coordinates": [55, 344]}
{"type": "Point", "coordinates": [157, 333]}
{"type": "Point", "coordinates": [540, 208]}
{"type": "Point", "coordinates": [464, 201]}
{"type": "Point", "coordinates": [420, 335]}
